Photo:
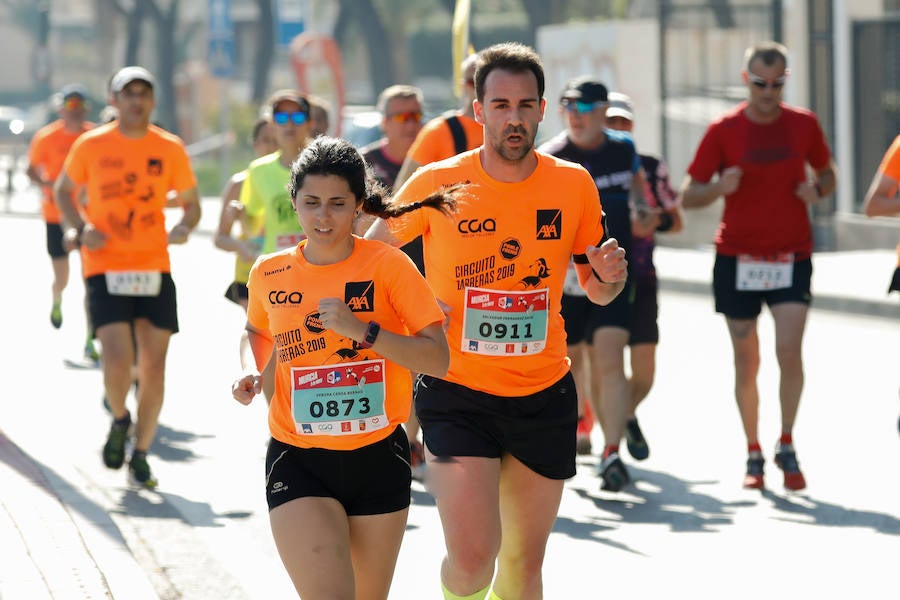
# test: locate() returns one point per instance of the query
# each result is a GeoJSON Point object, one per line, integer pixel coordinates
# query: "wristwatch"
{"type": "Point", "coordinates": [371, 333]}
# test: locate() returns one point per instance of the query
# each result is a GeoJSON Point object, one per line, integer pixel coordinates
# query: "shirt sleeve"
{"type": "Point", "coordinates": [249, 197]}
{"type": "Point", "coordinates": [707, 160]}
{"type": "Point", "coordinates": [256, 308]}
{"type": "Point", "coordinates": [411, 296]}
{"type": "Point", "coordinates": [819, 154]}
{"type": "Point", "coordinates": [77, 160]}
{"type": "Point", "coordinates": [183, 177]}
{"type": "Point", "coordinates": [890, 164]}
{"type": "Point", "coordinates": [591, 226]}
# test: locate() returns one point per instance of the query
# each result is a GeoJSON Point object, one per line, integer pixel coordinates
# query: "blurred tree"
{"type": "Point", "coordinates": [363, 14]}
{"type": "Point", "coordinates": [265, 50]}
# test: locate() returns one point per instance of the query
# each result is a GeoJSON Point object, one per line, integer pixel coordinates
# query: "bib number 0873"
{"type": "Point", "coordinates": [332, 408]}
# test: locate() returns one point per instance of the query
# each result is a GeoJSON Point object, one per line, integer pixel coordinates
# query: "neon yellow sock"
{"type": "Point", "coordinates": [494, 596]}
{"type": "Point", "coordinates": [479, 595]}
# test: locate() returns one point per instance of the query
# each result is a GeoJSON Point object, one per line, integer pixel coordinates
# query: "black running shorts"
{"type": "Point", "coordinates": [237, 293]}
{"type": "Point", "coordinates": [55, 241]}
{"type": "Point", "coordinates": [644, 328]}
{"type": "Point", "coordinates": [741, 304]}
{"type": "Point", "coordinates": [106, 308]}
{"type": "Point", "coordinates": [538, 430]}
{"type": "Point", "coordinates": [582, 317]}
{"type": "Point", "coordinates": [371, 480]}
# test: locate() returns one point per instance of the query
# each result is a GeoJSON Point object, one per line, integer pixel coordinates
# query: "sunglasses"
{"type": "Point", "coordinates": [412, 116]}
{"type": "Point", "coordinates": [73, 103]}
{"type": "Point", "coordinates": [297, 118]}
{"type": "Point", "coordinates": [763, 83]}
{"type": "Point", "coordinates": [577, 106]}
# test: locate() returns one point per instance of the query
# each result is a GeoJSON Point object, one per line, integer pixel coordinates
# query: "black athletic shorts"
{"type": "Point", "coordinates": [895, 282]}
{"type": "Point", "coordinates": [538, 430]}
{"type": "Point", "coordinates": [743, 304]}
{"type": "Point", "coordinates": [372, 480]}
{"type": "Point", "coordinates": [55, 241]}
{"type": "Point", "coordinates": [236, 292]}
{"type": "Point", "coordinates": [582, 317]}
{"type": "Point", "coordinates": [644, 328]}
{"type": "Point", "coordinates": [106, 308]}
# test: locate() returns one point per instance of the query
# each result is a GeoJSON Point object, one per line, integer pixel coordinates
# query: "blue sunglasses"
{"type": "Point", "coordinates": [580, 107]}
{"type": "Point", "coordinates": [297, 118]}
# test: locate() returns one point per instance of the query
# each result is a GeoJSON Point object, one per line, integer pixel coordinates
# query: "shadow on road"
{"type": "Point", "coordinates": [174, 445]}
{"type": "Point", "coordinates": [817, 512]}
{"type": "Point", "coordinates": [134, 502]}
{"type": "Point", "coordinates": [657, 498]}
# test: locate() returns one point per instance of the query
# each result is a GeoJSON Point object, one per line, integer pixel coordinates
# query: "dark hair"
{"type": "Point", "coordinates": [257, 127]}
{"type": "Point", "coordinates": [335, 156]}
{"type": "Point", "coordinates": [508, 56]}
{"type": "Point", "coordinates": [767, 52]}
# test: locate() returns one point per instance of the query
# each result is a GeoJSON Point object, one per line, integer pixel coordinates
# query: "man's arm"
{"type": "Point", "coordinates": [605, 273]}
{"type": "Point", "coordinates": [882, 199]}
{"type": "Point", "coordinates": [189, 200]}
{"type": "Point", "coordinates": [406, 170]}
{"type": "Point", "coordinates": [380, 231]}
{"type": "Point", "coordinates": [63, 195]}
{"type": "Point", "coordinates": [696, 194]}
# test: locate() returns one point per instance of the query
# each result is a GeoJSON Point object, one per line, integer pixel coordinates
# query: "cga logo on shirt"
{"type": "Point", "coordinates": [466, 226]}
{"type": "Point", "coordinates": [549, 224]}
{"type": "Point", "coordinates": [285, 297]}
{"type": "Point", "coordinates": [360, 295]}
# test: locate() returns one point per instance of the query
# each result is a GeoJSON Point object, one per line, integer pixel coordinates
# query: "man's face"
{"type": "Point", "coordinates": [619, 123]}
{"type": "Point", "coordinates": [289, 135]}
{"type": "Point", "coordinates": [402, 120]}
{"type": "Point", "coordinates": [584, 121]}
{"type": "Point", "coordinates": [765, 84]}
{"type": "Point", "coordinates": [510, 112]}
{"type": "Point", "coordinates": [135, 104]}
{"type": "Point", "coordinates": [74, 108]}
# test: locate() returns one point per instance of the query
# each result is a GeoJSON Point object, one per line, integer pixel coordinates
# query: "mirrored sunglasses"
{"type": "Point", "coordinates": [297, 118]}
{"type": "Point", "coordinates": [406, 117]}
{"type": "Point", "coordinates": [763, 83]}
{"type": "Point", "coordinates": [580, 107]}
{"type": "Point", "coordinates": [73, 103]}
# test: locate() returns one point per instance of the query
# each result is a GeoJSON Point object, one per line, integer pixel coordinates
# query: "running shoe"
{"type": "Point", "coordinates": [56, 315]}
{"type": "Point", "coordinates": [417, 460]}
{"type": "Point", "coordinates": [583, 435]}
{"type": "Point", "coordinates": [114, 449]}
{"type": "Point", "coordinates": [754, 477]}
{"type": "Point", "coordinates": [613, 473]}
{"type": "Point", "coordinates": [90, 351]}
{"type": "Point", "coordinates": [786, 460]}
{"type": "Point", "coordinates": [634, 439]}
{"type": "Point", "coordinates": [139, 471]}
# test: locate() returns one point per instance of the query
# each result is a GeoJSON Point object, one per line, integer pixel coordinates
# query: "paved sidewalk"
{"type": "Point", "coordinates": [50, 550]}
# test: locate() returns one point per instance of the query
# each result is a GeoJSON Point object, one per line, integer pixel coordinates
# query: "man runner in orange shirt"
{"type": "Point", "coordinates": [46, 155]}
{"type": "Point", "coordinates": [500, 427]}
{"type": "Point", "coordinates": [129, 167]}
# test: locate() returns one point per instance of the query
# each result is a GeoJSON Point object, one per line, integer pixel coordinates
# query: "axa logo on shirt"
{"type": "Point", "coordinates": [468, 226]}
{"type": "Point", "coordinates": [285, 297]}
{"type": "Point", "coordinates": [360, 295]}
{"type": "Point", "coordinates": [548, 224]}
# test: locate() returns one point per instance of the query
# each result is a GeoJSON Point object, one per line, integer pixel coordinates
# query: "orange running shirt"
{"type": "Point", "coordinates": [49, 148]}
{"type": "Point", "coordinates": [127, 180]}
{"type": "Point", "coordinates": [500, 263]}
{"type": "Point", "coordinates": [435, 141]}
{"type": "Point", "coordinates": [329, 393]}
{"type": "Point", "coordinates": [890, 166]}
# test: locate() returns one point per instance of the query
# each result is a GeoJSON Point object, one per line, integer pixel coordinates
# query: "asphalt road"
{"type": "Point", "coordinates": [686, 528]}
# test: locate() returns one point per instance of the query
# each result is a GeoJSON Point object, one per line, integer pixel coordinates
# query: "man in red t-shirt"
{"type": "Point", "coordinates": [46, 155]}
{"type": "Point", "coordinates": [761, 152]}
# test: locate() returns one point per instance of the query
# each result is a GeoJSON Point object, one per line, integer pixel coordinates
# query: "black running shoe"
{"type": "Point", "coordinates": [114, 449]}
{"type": "Point", "coordinates": [613, 473]}
{"type": "Point", "coordinates": [786, 459]}
{"type": "Point", "coordinates": [139, 470]}
{"type": "Point", "coordinates": [634, 439]}
{"type": "Point", "coordinates": [754, 478]}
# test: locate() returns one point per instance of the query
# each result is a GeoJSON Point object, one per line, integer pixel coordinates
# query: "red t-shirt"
{"type": "Point", "coordinates": [763, 216]}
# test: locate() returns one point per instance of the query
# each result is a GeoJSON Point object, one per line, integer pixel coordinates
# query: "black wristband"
{"type": "Point", "coordinates": [597, 276]}
{"type": "Point", "coordinates": [372, 332]}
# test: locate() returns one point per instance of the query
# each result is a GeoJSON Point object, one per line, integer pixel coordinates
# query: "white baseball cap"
{"type": "Point", "coordinates": [620, 106]}
{"type": "Point", "coordinates": [129, 75]}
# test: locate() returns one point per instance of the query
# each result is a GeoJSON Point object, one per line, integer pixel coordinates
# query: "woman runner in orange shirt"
{"type": "Point", "coordinates": [348, 319]}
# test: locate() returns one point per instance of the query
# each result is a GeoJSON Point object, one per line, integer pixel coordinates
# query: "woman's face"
{"type": "Point", "coordinates": [326, 208]}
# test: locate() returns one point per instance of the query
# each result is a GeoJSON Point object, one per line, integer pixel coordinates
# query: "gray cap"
{"type": "Point", "coordinates": [73, 89]}
{"type": "Point", "coordinates": [129, 75]}
{"type": "Point", "coordinates": [620, 106]}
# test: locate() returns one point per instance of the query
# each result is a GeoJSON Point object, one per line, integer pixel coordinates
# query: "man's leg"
{"type": "Point", "coordinates": [60, 281]}
{"type": "Point", "coordinates": [152, 347]}
{"type": "Point", "coordinates": [745, 342]}
{"type": "Point", "coordinates": [118, 356]}
{"type": "Point", "coordinates": [529, 504]}
{"type": "Point", "coordinates": [467, 492]}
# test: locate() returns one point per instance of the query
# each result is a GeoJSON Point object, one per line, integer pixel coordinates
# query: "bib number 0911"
{"type": "Point", "coordinates": [500, 331]}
